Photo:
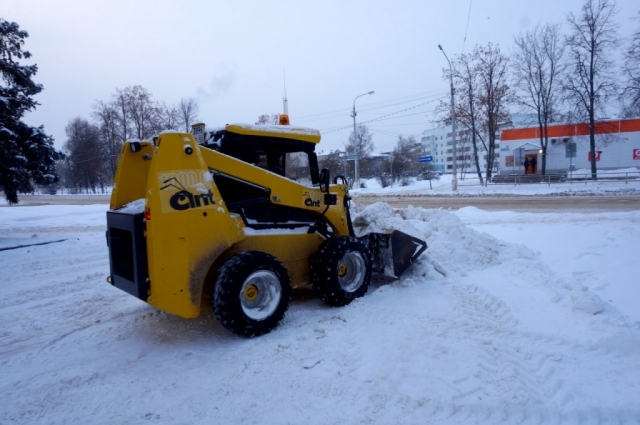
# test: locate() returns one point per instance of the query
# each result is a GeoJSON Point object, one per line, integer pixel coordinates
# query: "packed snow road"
{"type": "Point", "coordinates": [538, 325]}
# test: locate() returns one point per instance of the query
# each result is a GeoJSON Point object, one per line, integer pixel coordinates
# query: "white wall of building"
{"type": "Point", "coordinates": [617, 149]}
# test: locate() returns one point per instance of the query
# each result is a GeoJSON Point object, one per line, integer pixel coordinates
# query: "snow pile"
{"type": "Point", "coordinates": [453, 248]}
{"type": "Point", "coordinates": [586, 301]}
{"type": "Point", "coordinates": [134, 207]}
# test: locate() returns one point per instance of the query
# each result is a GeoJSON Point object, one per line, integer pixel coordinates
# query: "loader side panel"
{"type": "Point", "coordinates": [128, 253]}
{"type": "Point", "coordinates": [188, 227]}
{"type": "Point", "coordinates": [130, 181]}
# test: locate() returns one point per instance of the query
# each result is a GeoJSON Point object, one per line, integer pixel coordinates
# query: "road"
{"type": "Point", "coordinates": [35, 200]}
{"type": "Point", "coordinates": [542, 204]}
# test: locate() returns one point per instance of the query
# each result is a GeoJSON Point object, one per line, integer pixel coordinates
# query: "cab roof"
{"type": "Point", "coordinates": [282, 131]}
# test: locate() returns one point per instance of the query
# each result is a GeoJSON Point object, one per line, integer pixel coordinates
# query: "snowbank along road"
{"type": "Point", "coordinates": [513, 203]}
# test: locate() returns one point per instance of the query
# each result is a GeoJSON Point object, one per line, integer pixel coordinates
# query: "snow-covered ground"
{"type": "Point", "coordinates": [507, 318]}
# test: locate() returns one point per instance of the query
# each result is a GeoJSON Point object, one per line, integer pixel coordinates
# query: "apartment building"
{"type": "Point", "coordinates": [438, 142]}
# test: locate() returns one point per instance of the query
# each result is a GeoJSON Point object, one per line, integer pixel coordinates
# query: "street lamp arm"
{"type": "Point", "coordinates": [354, 101]}
{"type": "Point", "coordinates": [445, 55]}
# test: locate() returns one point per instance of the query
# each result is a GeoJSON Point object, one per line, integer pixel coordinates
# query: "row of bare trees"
{"type": "Point", "coordinates": [397, 165]}
{"type": "Point", "coordinates": [93, 147]}
{"type": "Point", "coordinates": [557, 77]}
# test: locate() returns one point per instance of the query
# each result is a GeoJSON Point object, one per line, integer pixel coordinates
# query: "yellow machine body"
{"type": "Point", "coordinates": [185, 230]}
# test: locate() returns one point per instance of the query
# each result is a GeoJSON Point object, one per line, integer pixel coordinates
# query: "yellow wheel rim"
{"type": "Point", "coordinates": [250, 292]}
{"type": "Point", "coordinates": [342, 269]}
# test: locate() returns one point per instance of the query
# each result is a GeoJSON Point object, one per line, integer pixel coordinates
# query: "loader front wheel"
{"type": "Point", "coordinates": [341, 270]}
{"type": "Point", "coordinates": [251, 293]}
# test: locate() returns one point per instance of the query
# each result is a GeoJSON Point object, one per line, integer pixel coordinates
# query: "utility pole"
{"type": "Point", "coordinates": [454, 180]}
{"type": "Point", "coordinates": [355, 141]}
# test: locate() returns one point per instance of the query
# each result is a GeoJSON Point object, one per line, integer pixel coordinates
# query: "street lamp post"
{"type": "Point", "coordinates": [454, 180]}
{"type": "Point", "coordinates": [355, 140]}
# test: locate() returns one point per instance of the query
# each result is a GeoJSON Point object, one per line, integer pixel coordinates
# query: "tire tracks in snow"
{"type": "Point", "coordinates": [530, 368]}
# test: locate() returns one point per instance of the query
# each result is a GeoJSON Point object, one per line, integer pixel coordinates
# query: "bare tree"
{"type": "Point", "coordinates": [538, 67]}
{"type": "Point", "coordinates": [466, 98]}
{"type": "Point", "coordinates": [483, 96]}
{"type": "Point", "coordinates": [168, 117]}
{"type": "Point", "coordinates": [631, 69]}
{"type": "Point", "coordinates": [142, 110]}
{"type": "Point", "coordinates": [333, 163]}
{"type": "Point", "coordinates": [85, 156]}
{"type": "Point", "coordinates": [124, 120]}
{"type": "Point", "coordinates": [463, 151]}
{"type": "Point", "coordinates": [362, 143]}
{"type": "Point", "coordinates": [267, 119]}
{"type": "Point", "coordinates": [106, 115]}
{"type": "Point", "coordinates": [494, 98]}
{"type": "Point", "coordinates": [188, 111]}
{"type": "Point", "coordinates": [405, 156]}
{"type": "Point", "coordinates": [590, 81]}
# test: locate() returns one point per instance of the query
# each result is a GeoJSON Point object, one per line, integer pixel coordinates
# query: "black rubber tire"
{"type": "Point", "coordinates": [326, 274]}
{"type": "Point", "coordinates": [228, 291]}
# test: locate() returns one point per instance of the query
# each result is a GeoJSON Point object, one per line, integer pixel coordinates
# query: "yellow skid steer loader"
{"type": "Point", "coordinates": [233, 219]}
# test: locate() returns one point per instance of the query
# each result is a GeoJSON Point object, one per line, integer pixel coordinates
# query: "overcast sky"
{"type": "Point", "coordinates": [230, 55]}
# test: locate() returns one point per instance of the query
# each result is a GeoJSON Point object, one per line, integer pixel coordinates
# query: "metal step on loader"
{"type": "Point", "coordinates": [232, 219]}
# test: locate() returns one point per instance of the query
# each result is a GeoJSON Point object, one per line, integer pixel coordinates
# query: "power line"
{"type": "Point", "coordinates": [467, 28]}
{"type": "Point", "coordinates": [401, 100]}
{"type": "Point", "coordinates": [398, 125]}
{"type": "Point", "coordinates": [383, 117]}
{"type": "Point", "coordinates": [386, 133]}
{"type": "Point", "coordinates": [370, 106]}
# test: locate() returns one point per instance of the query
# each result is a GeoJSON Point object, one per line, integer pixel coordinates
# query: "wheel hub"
{"type": "Point", "coordinates": [351, 271]}
{"type": "Point", "coordinates": [251, 292]}
{"type": "Point", "coordinates": [260, 294]}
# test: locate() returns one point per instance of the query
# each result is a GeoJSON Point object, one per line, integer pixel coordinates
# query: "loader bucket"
{"type": "Point", "coordinates": [393, 253]}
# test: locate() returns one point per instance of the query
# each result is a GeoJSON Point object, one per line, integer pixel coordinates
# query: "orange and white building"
{"type": "Point", "coordinates": [617, 146]}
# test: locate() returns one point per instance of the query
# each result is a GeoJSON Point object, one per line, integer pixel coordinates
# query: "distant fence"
{"type": "Point", "coordinates": [61, 190]}
{"type": "Point", "coordinates": [602, 177]}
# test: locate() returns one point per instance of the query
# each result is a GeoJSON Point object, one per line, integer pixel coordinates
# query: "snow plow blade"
{"type": "Point", "coordinates": [393, 253]}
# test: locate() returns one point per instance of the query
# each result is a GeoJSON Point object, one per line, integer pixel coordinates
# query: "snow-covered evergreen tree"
{"type": "Point", "coordinates": [26, 153]}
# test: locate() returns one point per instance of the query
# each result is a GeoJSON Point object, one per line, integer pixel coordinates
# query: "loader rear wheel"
{"type": "Point", "coordinates": [341, 270]}
{"type": "Point", "coordinates": [251, 293]}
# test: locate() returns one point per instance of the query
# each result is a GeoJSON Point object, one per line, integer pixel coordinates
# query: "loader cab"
{"type": "Point", "coordinates": [280, 149]}
{"type": "Point", "coordinates": [283, 150]}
